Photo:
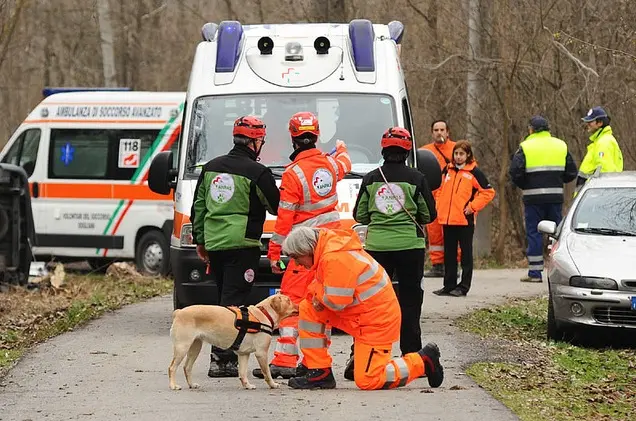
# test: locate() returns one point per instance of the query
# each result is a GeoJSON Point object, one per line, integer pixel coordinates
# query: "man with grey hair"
{"type": "Point", "coordinates": [353, 293]}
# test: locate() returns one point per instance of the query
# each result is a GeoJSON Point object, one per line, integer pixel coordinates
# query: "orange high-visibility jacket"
{"type": "Point", "coordinates": [462, 187]}
{"type": "Point", "coordinates": [352, 284]}
{"type": "Point", "coordinates": [308, 194]}
{"type": "Point", "coordinates": [444, 154]}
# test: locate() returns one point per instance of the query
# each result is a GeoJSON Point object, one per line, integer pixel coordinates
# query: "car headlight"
{"type": "Point", "coordinates": [361, 230]}
{"type": "Point", "coordinates": [593, 282]}
{"type": "Point", "coordinates": [186, 239]}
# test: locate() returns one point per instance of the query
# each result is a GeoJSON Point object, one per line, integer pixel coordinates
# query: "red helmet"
{"type": "Point", "coordinates": [303, 122]}
{"type": "Point", "coordinates": [249, 126]}
{"type": "Point", "coordinates": [397, 136]}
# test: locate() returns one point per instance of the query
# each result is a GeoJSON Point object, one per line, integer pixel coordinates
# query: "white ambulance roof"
{"type": "Point", "coordinates": [335, 71]}
{"type": "Point", "coordinates": [95, 107]}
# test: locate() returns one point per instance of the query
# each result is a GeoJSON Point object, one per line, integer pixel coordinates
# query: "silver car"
{"type": "Point", "coordinates": [591, 266]}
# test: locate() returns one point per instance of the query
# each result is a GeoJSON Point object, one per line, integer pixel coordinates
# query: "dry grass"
{"type": "Point", "coordinates": [28, 317]}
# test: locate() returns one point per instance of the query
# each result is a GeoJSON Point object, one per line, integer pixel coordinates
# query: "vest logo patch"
{"type": "Point", "coordinates": [389, 199]}
{"type": "Point", "coordinates": [322, 181]}
{"type": "Point", "coordinates": [222, 188]}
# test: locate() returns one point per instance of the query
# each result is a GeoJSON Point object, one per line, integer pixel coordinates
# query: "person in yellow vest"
{"type": "Point", "coordinates": [540, 167]}
{"type": "Point", "coordinates": [603, 150]}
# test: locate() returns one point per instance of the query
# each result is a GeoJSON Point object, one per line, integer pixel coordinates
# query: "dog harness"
{"type": "Point", "coordinates": [245, 323]}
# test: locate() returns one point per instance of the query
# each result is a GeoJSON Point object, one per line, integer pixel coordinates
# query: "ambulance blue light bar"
{"type": "Point", "coordinates": [362, 37]}
{"type": "Point", "coordinates": [228, 48]}
{"type": "Point", "coordinates": [396, 29]}
{"type": "Point", "coordinates": [50, 91]}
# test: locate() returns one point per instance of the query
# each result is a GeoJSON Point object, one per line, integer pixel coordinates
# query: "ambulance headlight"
{"type": "Point", "coordinates": [293, 51]}
{"type": "Point", "coordinates": [186, 239]}
{"type": "Point", "coordinates": [361, 230]}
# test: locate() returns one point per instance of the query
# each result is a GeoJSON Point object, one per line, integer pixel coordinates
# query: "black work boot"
{"type": "Point", "coordinates": [315, 378]}
{"type": "Point", "coordinates": [348, 373]}
{"type": "Point", "coordinates": [437, 271]}
{"type": "Point", "coordinates": [276, 371]}
{"type": "Point", "coordinates": [434, 371]}
{"type": "Point", "coordinates": [223, 369]}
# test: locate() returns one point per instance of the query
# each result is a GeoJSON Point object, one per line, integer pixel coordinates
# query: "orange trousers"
{"type": "Point", "coordinates": [436, 243]}
{"type": "Point", "coordinates": [294, 284]}
{"type": "Point", "coordinates": [374, 368]}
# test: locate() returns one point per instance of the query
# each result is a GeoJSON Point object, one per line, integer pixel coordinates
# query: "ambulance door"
{"type": "Point", "coordinates": [78, 193]}
{"type": "Point", "coordinates": [24, 152]}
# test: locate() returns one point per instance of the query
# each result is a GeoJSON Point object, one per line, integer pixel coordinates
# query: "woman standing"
{"type": "Point", "coordinates": [396, 202]}
{"type": "Point", "coordinates": [465, 191]}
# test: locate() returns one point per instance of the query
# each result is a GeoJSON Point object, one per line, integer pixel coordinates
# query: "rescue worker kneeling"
{"type": "Point", "coordinates": [352, 292]}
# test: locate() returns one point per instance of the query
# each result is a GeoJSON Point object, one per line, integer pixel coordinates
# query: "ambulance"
{"type": "Point", "coordinates": [87, 153]}
{"type": "Point", "coordinates": [349, 75]}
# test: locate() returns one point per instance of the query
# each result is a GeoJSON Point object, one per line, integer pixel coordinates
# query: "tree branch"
{"type": "Point", "coordinates": [418, 11]}
{"type": "Point", "coordinates": [7, 32]}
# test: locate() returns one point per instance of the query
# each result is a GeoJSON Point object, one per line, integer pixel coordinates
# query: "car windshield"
{"type": "Point", "coordinates": [358, 119]}
{"type": "Point", "coordinates": [607, 211]}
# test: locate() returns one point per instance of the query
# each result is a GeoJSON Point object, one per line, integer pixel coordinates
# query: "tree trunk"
{"type": "Point", "coordinates": [106, 34]}
{"type": "Point", "coordinates": [8, 30]}
{"type": "Point", "coordinates": [504, 157]}
{"type": "Point", "coordinates": [475, 124]}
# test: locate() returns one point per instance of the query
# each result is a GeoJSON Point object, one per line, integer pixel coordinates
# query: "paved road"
{"type": "Point", "coordinates": [115, 368]}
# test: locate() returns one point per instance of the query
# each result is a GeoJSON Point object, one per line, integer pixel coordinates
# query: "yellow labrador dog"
{"type": "Point", "coordinates": [193, 325]}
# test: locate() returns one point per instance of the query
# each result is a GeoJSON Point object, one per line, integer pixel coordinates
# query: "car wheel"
{"type": "Point", "coordinates": [555, 333]}
{"type": "Point", "coordinates": [152, 254]}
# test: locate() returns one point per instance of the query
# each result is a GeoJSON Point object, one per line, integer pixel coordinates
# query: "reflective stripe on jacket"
{"type": "Point", "coordinates": [308, 194]}
{"type": "Point", "coordinates": [540, 168]}
{"type": "Point", "coordinates": [352, 284]}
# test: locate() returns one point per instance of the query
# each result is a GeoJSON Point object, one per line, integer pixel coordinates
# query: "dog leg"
{"type": "Point", "coordinates": [243, 359]}
{"type": "Point", "coordinates": [179, 353]}
{"type": "Point", "coordinates": [262, 362]}
{"type": "Point", "coordinates": [193, 353]}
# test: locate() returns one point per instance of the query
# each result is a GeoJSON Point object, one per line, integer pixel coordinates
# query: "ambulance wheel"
{"type": "Point", "coordinates": [152, 254]}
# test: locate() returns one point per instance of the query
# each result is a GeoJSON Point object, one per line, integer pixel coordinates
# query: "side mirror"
{"type": "Point", "coordinates": [161, 176]}
{"type": "Point", "coordinates": [428, 165]}
{"type": "Point", "coordinates": [547, 227]}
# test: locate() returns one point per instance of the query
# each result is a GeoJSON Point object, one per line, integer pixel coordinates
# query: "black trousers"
{"type": "Point", "coordinates": [462, 235]}
{"type": "Point", "coordinates": [408, 266]}
{"type": "Point", "coordinates": [234, 272]}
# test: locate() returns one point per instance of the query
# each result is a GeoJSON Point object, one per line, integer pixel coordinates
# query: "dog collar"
{"type": "Point", "coordinates": [266, 313]}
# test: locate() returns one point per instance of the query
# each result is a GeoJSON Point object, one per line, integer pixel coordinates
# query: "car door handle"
{"type": "Point", "coordinates": [35, 187]}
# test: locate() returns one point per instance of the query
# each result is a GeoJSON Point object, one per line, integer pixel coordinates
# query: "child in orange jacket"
{"type": "Point", "coordinates": [465, 191]}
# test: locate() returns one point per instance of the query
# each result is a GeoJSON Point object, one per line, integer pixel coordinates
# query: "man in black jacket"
{"type": "Point", "coordinates": [232, 194]}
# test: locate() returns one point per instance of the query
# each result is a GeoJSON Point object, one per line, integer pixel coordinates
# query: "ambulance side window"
{"type": "Point", "coordinates": [146, 138]}
{"type": "Point", "coordinates": [24, 151]}
{"type": "Point", "coordinates": [13, 155]}
{"type": "Point", "coordinates": [94, 153]}
{"type": "Point", "coordinates": [78, 154]}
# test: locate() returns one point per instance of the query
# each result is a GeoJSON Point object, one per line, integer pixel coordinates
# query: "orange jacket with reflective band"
{"type": "Point", "coordinates": [444, 155]}
{"type": "Point", "coordinates": [462, 187]}
{"type": "Point", "coordinates": [352, 284]}
{"type": "Point", "coordinates": [308, 194]}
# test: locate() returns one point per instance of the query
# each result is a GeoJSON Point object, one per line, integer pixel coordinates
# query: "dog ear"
{"type": "Point", "coordinates": [277, 303]}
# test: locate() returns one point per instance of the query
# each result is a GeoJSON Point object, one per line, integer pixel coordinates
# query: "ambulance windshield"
{"type": "Point", "coordinates": [358, 119]}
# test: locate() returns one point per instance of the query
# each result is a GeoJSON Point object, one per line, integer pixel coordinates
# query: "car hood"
{"type": "Point", "coordinates": [603, 255]}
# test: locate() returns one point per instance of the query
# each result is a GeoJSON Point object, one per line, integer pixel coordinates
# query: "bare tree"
{"type": "Point", "coordinates": [106, 33]}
